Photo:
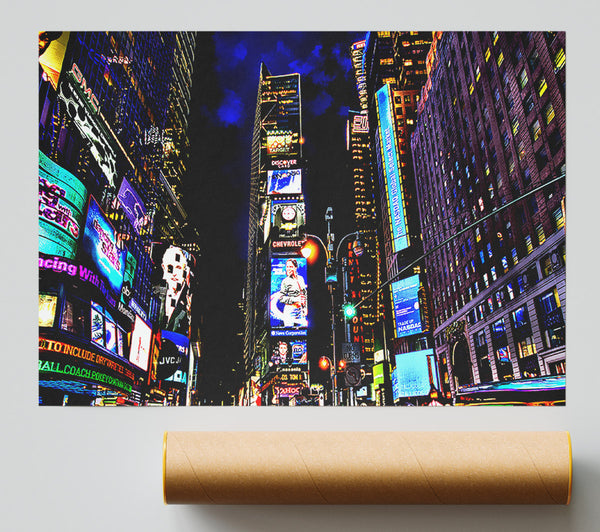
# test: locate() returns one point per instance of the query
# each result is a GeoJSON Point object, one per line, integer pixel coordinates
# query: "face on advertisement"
{"type": "Point", "coordinates": [291, 267]}
{"type": "Point", "coordinates": [174, 266]}
{"type": "Point", "coordinates": [283, 349]}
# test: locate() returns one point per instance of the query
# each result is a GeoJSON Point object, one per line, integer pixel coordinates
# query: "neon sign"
{"type": "Point", "coordinates": [61, 202]}
{"type": "Point", "coordinates": [47, 366]}
{"type": "Point", "coordinates": [83, 85]}
{"type": "Point", "coordinates": [61, 265]}
{"type": "Point", "coordinates": [84, 354]}
{"type": "Point", "coordinates": [393, 183]}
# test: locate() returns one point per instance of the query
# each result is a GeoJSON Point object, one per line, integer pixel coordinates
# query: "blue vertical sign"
{"type": "Point", "coordinates": [405, 297]}
{"type": "Point", "coordinates": [393, 183]}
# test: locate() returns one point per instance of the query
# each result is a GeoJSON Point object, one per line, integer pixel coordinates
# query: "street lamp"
{"type": "Point", "coordinates": [331, 278]}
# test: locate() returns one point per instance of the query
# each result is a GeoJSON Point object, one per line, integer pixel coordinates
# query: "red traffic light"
{"type": "Point", "coordinates": [342, 364]}
{"type": "Point", "coordinates": [324, 363]}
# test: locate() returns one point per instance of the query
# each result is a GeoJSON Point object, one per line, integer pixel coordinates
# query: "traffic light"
{"type": "Point", "coordinates": [342, 365]}
{"type": "Point", "coordinates": [331, 272]}
{"type": "Point", "coordinates": [349, 311]}
{"type": "Point", "coordinates": [324, 363]}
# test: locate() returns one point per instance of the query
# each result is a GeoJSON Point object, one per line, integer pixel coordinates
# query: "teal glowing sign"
{"type": "Point", "coordinates": [393, 183]}
{"type": "Point", "coordinates": [62, 199]}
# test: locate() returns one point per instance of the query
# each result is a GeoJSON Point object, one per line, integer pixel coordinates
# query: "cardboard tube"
{"type": "Point", "coordinates": [367, 468]}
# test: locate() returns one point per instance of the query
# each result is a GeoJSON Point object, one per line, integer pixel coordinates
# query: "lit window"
{"type": "Point", "coordinates": [477, 234]}
{"type": "Point", "coordinates": [488, 54]}
{"type": "Point", "coordinates": [540, 234]}
{"type": "Point", "coordinates": [495, 37]}
{"type": "Point", "coordinates": [471, 88]}
{"type": "Point", "coordinates": [559, 59]}
{"type": "Point", "coordinates": [477, 74]}
{"type": "Point", "coordinates": [541, 86]}
{"type": "Point", "coordinates": [559, 219]}
{"type": "Point", "coordinates": [504, 264]}
{"type": "Point", "coordinates": [486, 281]}
{"type": "Point", "coordinates": [528, 244]}
{"type": "Point", "coordinates": [515, 256]}
{"type": "Point", "coordinates": [510, 291]}
{"type": "Point", "coordinates": [549, 112]}
{"type": "Point", "coordinates": [493, 273]}
{"type": "Point", "coordinates": [536, 130]}
{"type": "Point", "coordinates": [500, 59]}
{"type": "Point", "coordinates": [523, 78]}
{"type": "Point", "coordinates": [515, 125]}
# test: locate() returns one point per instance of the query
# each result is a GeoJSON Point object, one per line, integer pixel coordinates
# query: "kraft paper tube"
{"type": "Point", "coordinates": [367, 467]}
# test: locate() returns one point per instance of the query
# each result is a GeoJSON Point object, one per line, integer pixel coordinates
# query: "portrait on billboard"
{"type": "Point", "coordinates": [174, 293]}
{"type": "Point", "coordinates": [289, 305]}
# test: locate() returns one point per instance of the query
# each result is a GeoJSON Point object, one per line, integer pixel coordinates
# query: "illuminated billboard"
{"type": "Point", "coordinates": [416, 373]}
{"type": "Point", "coordinates": [284, 181]}
{"type": "Point", "coordinates": [140, 343]}
{"type": "Point", "coordinates": [289, 308]}
{"type": "Point", "coordinates": [51, 53]}
{"type": "Point", "coordinates": [47, 310]}
{"type": "Point", "coordinates": [62, 200]}
{"type": "Point", "coordinates": [290, 352]}
{"type": "Point", "coordinates": [132, 205]}
{"type": "Point", "coordinates": [288, 216]}
{"type": "Point", "coordinates": [173, 285]}
{"type": "Point", "coordinates": [393, 182]}
{"type": "Point", "coordinates": [279, 142]}
{"type": "Point", "coordinates": [100, 244]}
{"type": "Point", "coordinates": [173, 359]}
{"type": "Point", "coordinates": [82, 107]}
{"type": "Point", "coordinates": [405, 299]}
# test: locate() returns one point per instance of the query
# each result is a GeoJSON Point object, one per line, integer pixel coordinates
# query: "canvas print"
{"type": "Point", "coordinates": [302, 218]}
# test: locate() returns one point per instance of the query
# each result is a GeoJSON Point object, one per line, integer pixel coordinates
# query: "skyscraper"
{"type": "Point", "coordinates": [275, 326]}
{"type": "Point", "coordinates": [488, 147]}
{"type": "Point", "coordinates": [394, 66]}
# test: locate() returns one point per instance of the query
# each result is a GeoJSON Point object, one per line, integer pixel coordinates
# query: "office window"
{"type": "Point", "coordinates": [528, 244]}
{"type": "Point", "coordinates": [540, 233]}
{"type": "Point", "coordinates": [559, 59]}
{"type": "Point", "coordinates": [536, 130]}
{"type": "Point", "coordinates": [523, 78]}
{"type": "Point", "coordinates": [559, 219]}
{"type": "Point", "coordinates": [541, 86]}
{"type": "Point", "coordinates": [549, 112]}
{"type": "Point", "coordinates": [551, 319]}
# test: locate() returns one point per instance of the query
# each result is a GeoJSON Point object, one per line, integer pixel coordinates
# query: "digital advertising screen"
{"type": "Point", "coordinates": [62, 199]}
{"type": "Point", "coordinates": [132, 205]}
{"type": "Point", "coordinates": [128, 277]}
{"type": "Point", "coordinates": [284, 181]}
{"type": "Point", "coordinates": [173, 356]}
{"type": "Point", "coordinates": [405, 300]}
{"type": "Point", "coordinates": [288, 216]}
{"type": "Point", "coordinates": [289, 307]}
{"type": "Point", "coordinates": [393, 183]}
{"type": "Point", "coordinates": [290, 352]}
{"type": "Point", "coordinates": [279, 142]}
{"type": "Point", "coordinates": [172, 283]}
{"type": "Point", "coordinates": [47, 309]}
{"type": "Point", "coordinates": [100, 244]}
{"type": "Point", "coordinates": [413, 372]}
{"type": "Point", "coordinates": [141, 339]}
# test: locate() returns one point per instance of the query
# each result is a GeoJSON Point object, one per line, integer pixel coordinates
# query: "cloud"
{"type": "Point", "coordinates": [231, 109]}
{"type": "Point", "coordinates": [321, 103]}
{"type": "Point", "coordinates": [240, 51]}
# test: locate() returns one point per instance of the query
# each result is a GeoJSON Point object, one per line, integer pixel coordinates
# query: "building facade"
{"type": "Point", "coordinates": [275, 297]}
{"type": "Point", "coordinates": [104, 108]}
{"type": "Point", "coordinates": [395, 69]}
{"type": "Point", "coordinates": [489, 158]}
